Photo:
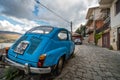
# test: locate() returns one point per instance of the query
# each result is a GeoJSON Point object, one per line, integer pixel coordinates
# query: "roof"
{"type": "Point", "coordinates": [105, 1]}
{"type": "Point", "coordinates": [76, 34]}
{"type": "Point", "coordinates": [89, 12]}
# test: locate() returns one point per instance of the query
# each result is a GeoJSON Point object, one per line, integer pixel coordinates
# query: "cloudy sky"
{"type": "Point", "coordinates": [21, 15]}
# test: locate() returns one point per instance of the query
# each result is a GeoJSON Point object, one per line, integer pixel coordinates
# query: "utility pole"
{"type": "Point", "coordinates": [71, 26]}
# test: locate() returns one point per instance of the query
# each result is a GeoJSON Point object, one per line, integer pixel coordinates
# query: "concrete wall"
{"type": "Point", "coordinates": [115, 23]}
{"type": "Point", "coordinates": [115, 18]}
{"type": "Point", "coordinates": [97, 13]}
{"type": "Point", "coordinates": [100, 42]}
{"type": "Point", "coordinates": [91, 38]}
{"type": "Point", "coordinates": [113, 38]}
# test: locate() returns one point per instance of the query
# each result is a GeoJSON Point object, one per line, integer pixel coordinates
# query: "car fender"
{"type": "Point", "coordinates": [53, 56]}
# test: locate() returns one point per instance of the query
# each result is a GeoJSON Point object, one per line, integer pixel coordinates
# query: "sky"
{"type": "Point", "coordinates": [21, 15]}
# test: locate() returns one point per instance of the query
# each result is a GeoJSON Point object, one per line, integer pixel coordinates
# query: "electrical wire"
{"type": "Point", "coordinates": [52, 11]}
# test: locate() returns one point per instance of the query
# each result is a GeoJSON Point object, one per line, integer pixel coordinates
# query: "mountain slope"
{"type": "Point", "coordinates": [8, 37]}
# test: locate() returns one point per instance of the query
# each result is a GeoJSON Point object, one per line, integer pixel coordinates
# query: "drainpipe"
{"type": "Point", "coordinates": [94, 27]}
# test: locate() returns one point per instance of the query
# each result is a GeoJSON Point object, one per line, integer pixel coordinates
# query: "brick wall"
{"type": "Point", "coordinates": [91, 38]}
{"type": "Point", "coordinates": [99, 24]}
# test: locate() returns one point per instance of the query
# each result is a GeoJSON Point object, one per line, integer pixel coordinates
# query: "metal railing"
{"type": "Point", "coordinates": [89, 30]}
{"type": "Point", "coordinates": [105, 26]}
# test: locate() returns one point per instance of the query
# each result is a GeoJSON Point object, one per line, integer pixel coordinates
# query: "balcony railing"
{"type": "Point", "coordinates": [89, 30]}
{"type": "Point", "coordinates": [91, 17]}
{"type": "Point", "coordinates": [105, 1]}
{"type": "Point", "coordinates": [105, 26]}
{"type": "Point", "coordinates": [107, 20]}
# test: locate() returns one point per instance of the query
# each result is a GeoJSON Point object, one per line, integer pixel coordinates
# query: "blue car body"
{"type": "Point", "coordinates": [35, 44]}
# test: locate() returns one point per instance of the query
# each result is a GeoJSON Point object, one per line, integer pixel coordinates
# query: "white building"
{"type": "Point", "coordinates": [114, 6]}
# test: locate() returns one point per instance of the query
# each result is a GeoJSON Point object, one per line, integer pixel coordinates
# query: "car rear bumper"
{"type": "Point", "coordinates": [27, 69]}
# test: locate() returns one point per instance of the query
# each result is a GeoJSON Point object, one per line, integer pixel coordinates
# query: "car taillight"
{"type": "Point", "coordinates": [41, 60]}
{"type": "Point", "coordinates": [40, 63]}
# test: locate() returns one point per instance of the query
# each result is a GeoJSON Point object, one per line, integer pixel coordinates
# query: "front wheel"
{"type": "Point", "coordinates": [73, 52]}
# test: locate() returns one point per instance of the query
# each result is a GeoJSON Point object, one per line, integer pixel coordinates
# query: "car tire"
{"type": "Point", "coordinates": [60, 65]}
{"type": "Point", "coordinates": [0, 57]}
{"type": "Point", "coordinates": [73, 52]}
{"type": "Point", "coordinates": [58, 68]}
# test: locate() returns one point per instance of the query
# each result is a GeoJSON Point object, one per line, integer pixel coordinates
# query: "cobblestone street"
{"type": "Point", "coordinates": [92, 63]}
{"type": "Point", "coordinates": [89, 63]}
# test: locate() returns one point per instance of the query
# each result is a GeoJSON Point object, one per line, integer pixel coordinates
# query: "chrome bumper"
{"type": "Point", "coordinates": [27, 68]}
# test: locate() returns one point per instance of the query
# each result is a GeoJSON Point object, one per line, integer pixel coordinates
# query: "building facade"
{"type": "Point", "coordinates": [94, 24]}
{"type": "Point", "coordinates": [114, 6]}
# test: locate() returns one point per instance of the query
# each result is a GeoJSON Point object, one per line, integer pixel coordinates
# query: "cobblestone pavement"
{"type": "Point", "coordinates": [92, 63]}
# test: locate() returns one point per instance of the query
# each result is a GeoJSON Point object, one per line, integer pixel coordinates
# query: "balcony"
{"type": "Point", "coordinates": [91, 17]}
{"type": "Point", "coordinates": [90, 30]}
{"type": "Point", "coordinates": [107, 20]}
{"type": "Point", "coordinates": [105, 3]}
{"type": "Point", "coordinates": [105, 26]}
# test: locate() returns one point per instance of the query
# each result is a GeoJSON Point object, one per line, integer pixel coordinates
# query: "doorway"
{"type": "Point", "coordinates": [118, 45]}
{"type": "Point", "coordinates": [106, 40]}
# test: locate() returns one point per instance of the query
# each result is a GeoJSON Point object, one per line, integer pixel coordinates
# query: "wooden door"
{"type": "Point", "coordinates": [118, 39]}
{"type": "Point", "coordinates": [106, 40]}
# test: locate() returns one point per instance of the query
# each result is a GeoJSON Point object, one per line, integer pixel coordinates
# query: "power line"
{"type": "Point", "coordinates": [52, 11]}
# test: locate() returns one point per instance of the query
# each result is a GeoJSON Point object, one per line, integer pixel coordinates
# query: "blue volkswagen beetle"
{"type": "Point", "coordinates": [42, 49]}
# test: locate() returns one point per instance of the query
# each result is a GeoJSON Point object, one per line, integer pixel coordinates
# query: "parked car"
{"type": "Point", "coordinates": [42, 49]}
{"type": "Point", "coordinates": [77, 41]}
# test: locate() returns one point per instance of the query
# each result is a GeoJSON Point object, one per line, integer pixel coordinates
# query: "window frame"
{"type": "Point", "coordinates": [63, 31]}
{"type": "Point", "coordinates": [117, 8]}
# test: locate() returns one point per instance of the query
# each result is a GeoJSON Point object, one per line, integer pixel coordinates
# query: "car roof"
{"type": "Point", "coordinates": [53, 32]}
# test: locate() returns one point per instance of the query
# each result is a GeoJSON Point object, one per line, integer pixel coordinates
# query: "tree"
{"type": "Point", "coordinates": [81, 30]}
{"type": "Point", "coordinates": [78, 31]}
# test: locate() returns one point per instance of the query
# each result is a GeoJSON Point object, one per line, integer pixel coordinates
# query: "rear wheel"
{"type": "Point", "coordinates": [60, 65]}
{"type": "Point", "coordinates": [58, 69]}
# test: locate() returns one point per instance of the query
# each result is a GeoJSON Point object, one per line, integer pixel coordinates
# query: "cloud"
{"type": "Point", "coordinates": [26, 22]}
{"type": "Point", "coordinates": [7, 26]}
{"type": "Point", "coordinates": [24, 11]}
{"type": "Point", "coordinates": [71, 10]}
{"type": "Point", "coordinates": [18, 8]}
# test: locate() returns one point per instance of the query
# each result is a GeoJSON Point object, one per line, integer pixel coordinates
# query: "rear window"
{"type": "Point", "coordinates": [34, 43]}
{"type": "Point", "coordinates": [41, 30]}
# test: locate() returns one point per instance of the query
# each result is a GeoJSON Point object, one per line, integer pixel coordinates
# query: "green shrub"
{"type": "Point", "coordinates": [111, 47]}
{"type": "Point", "coordinates": [97, 37]}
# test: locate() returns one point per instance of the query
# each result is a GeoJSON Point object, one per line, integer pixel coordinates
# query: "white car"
{"type": "Point", "coordinates": [78, 41]}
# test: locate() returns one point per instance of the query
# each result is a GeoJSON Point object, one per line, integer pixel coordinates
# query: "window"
{"type": "Point", "coordinates": [41, 30]}
{"type": "Point", "coordinates": [117, 6]}
{"type": "Point", "coordinates": [62, 35]}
